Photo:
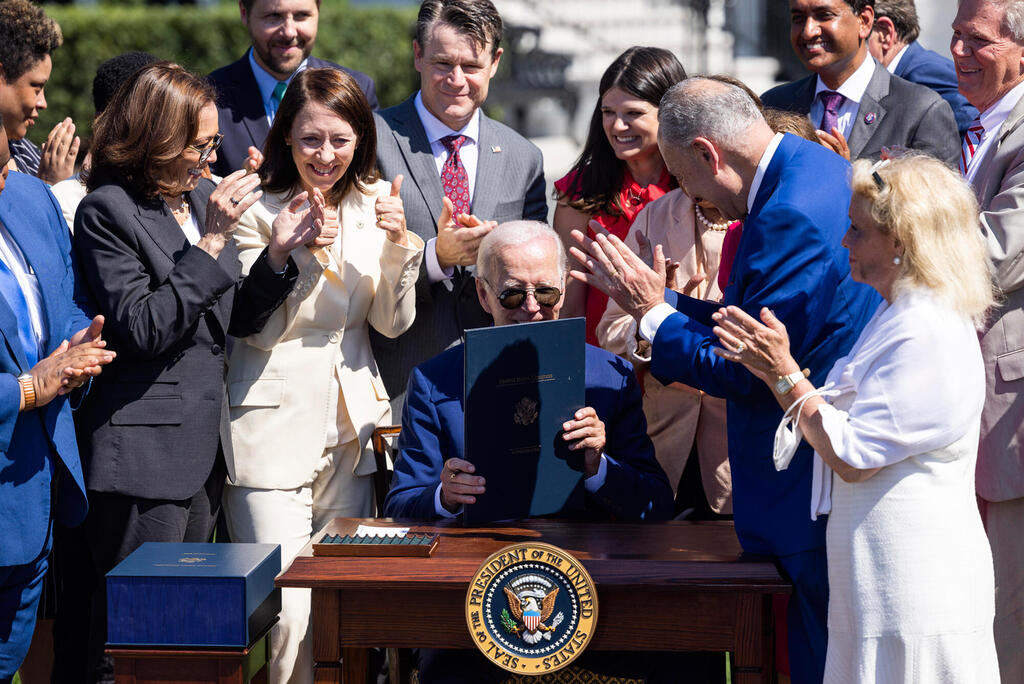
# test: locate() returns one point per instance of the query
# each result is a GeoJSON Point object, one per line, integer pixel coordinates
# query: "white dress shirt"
{"type": "Point", "coordinates": [992, 119]}
{"type": "Point", "coordinates": [469, 153]}
{"type": "Point", "coordinates": [653, 319]}
{"type": "Point", "coordinates": [852, 89]}
{"type": "Point", "coordinates": [896, 60]}
{"type": "Point", "coordinates": [267, 83]}
{"type": "Point", "coordinates": [13, 257]}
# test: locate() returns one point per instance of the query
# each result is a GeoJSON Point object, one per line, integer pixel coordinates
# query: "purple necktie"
{"type": "Point", "coordinates": [832, 101]}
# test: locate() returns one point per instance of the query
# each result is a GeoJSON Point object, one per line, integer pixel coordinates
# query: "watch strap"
{"type": "Point", "coordinates": [28, 390]}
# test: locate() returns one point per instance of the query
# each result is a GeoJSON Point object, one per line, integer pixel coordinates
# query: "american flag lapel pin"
{"type": "Point", "coordinates": [495, 149]}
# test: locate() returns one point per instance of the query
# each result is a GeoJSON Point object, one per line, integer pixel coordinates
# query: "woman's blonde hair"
{"type": "Point", "coordinates": [932, 211]}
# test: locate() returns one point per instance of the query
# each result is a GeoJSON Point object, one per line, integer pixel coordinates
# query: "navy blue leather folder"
{"type": "Point", "coordinates": [522, 382]}
{"type": "Point", "coordinates": [193, 594]}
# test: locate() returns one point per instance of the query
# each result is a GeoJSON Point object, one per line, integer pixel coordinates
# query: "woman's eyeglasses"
{"type": "Point", "coordinates": [513, 297]}
{"type": "Point", "coordinates": [206, 150]}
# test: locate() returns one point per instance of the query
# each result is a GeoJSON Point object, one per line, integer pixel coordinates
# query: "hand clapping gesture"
{"type": "Point", "coordinates": [458, 237]}
{"type": "Point", "coordinates": [763, 349]}
{"type": "Point", "coordinates": [228, 201]}
{"type": "Point", "coordinates": [296, 226]}
{"type": "Point", "coordinates": [58, 153]}
{"type": "Point", "coordinates": [613, 268]}
{"type": "Point", "coordinates": [71, 364]}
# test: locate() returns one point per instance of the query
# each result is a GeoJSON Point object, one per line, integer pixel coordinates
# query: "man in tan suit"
{"type": "Point", "coordinates": [988, 49]}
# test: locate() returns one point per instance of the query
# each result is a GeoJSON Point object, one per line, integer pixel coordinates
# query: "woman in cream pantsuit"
{"type": "Point", "coordinates": [678, 415]}
{"type": "Point", "coordinates": [305, 394]}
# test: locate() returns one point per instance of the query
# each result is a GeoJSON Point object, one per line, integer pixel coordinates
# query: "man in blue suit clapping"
{"type": "Point", "coordinates": [793, 195]}
{"type": "Point", "coordinates": [51, 347]}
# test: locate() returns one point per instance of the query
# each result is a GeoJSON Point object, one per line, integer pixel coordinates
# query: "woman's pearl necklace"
{"type": "Point", "coordinates": [704, 219]}
{"type": "Point", "coordinates": [184, 210]}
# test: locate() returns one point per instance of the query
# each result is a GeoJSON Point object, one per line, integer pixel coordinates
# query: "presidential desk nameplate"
{"type": "Point", "coordinates": [531, 608]}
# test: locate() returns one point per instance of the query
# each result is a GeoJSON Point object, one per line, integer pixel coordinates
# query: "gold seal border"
{"type": "Point", "coordinates": [555, 558]}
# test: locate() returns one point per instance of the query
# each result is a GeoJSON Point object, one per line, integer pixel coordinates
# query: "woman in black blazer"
{"type": "Point", "coordinates": [154, 241]}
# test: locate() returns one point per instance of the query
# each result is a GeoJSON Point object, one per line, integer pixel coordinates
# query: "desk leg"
{"type": "Point", "coordinates": [354, 662]}
{"type": "Point", "coordinates": [326, 636]}
{"type": "Point", "coordinates": [753, 658]}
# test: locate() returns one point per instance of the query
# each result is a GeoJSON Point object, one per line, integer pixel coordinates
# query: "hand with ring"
{"type": "Point", "coordinates": [228, 201]}
{"type": "Point", "coordinates": [459, 485]}
{"type": "Point", "coordinates": [763, 348]}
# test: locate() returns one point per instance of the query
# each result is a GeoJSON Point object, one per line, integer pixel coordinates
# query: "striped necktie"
{"type": "Point", "coordinates": [972, 141]}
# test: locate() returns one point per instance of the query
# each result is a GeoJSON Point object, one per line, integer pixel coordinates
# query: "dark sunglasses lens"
{"type": "Point", "coordinates": [547, 296]}
{"type": "Point", "coordinates": [512, 299]}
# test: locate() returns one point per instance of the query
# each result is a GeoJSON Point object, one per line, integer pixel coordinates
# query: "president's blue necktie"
{"type": "Point", "coordinates": [11, 291]}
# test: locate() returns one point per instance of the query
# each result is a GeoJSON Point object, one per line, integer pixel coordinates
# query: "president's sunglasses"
{"type": "Point", "coordinates": [513, 297]}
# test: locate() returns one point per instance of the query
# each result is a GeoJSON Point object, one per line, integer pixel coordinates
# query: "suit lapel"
{"type": "Point", "coordinates": [489, 162]}
{"type": "Point", "coordinates": [157, 221]}
{"type": "Point", "coordinates": [250, 102]}
{"type": "Point", "coordinates": [990, 175]}
{"type": "Point", "coordinates": [40, 255]}
{"type": "Point", "coordinates": [804, 96]}
{"type": "Point", "coordinates": [870, 114]}
{"type": "Point", "coordinates": [909, 55]}
{"type": "Point", "coordinates": [9, 331]}
{"type": "Point", "coordinates": [419, 159]}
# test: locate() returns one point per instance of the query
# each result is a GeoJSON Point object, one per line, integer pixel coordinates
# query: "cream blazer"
{"type": "Point", "coordinates": [314, 352]}
{"type": "Point", "coordinates": [677, 414]}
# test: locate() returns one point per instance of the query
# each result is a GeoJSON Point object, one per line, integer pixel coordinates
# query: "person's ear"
{"type": "Point", "coordinates": [481, 294]}
{"type": "Point", "coordinates": [866, 20]}
{"type": "Point", "coordinates": [708, 153]}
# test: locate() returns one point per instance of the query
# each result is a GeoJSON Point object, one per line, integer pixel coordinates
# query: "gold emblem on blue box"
{"type": "Point", "coordinates": [531, 608]}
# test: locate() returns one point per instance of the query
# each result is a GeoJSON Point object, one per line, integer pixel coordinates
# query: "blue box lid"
{"type": "Point", "coordinates": [160, 559]}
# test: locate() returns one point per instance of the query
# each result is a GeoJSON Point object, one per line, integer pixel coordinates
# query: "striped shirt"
{"type": "Point", "coordinates": [26, 156]}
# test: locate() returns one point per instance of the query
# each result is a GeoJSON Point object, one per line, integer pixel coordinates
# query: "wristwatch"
{"type": "Point", "coordinates": [28, 390]}
{"type": "Point", "coordinates": [785, 384]}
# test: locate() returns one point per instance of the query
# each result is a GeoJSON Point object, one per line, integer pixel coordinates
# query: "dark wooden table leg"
{"type": "Point", "coordinates": [753, 659]}
{"type": "Point", "coordinates": [354, 662]}
{"type": "Point", "coordinates": [326, 636]}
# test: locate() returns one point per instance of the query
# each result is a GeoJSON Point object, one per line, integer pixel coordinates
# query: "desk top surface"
{"type": "Point", "coordinates": [687, 555]}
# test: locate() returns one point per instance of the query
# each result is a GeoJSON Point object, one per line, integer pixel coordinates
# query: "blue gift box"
{"type": "Point", "coordinates": [193, 594]}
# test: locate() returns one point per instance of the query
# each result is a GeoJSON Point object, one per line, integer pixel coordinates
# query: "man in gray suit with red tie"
{"type": "Point", "coordinates": [248, 91]}
{"type": "Point", "coordinates": [458, 165]}
{"type": "Point", "coordinates": [988, 50]}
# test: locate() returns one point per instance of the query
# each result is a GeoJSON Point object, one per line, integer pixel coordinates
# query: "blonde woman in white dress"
{"type": "Point", "coordinates": [895, 431]}
{"type": "Point", "coordinates": [305, 393]}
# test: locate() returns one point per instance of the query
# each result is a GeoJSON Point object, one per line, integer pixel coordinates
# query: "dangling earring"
{"type": "Point", "coordinates": [897, 261]}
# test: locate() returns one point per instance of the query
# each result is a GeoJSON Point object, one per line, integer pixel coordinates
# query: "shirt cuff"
{"type": "Point", "coordinates": [596, 481]}
{"type": "Point", "coordinates": [434, 271]}
{"type": "Point", "coordinates": [441, 511]}
{"type": "Point", "coordinates": [653, 319]}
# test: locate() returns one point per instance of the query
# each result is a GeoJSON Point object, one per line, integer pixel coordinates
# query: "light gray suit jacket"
{"type": "Point", "coordinates": [509, 186]}
{"type": "Point", "coordinates": [999, 186]}
{"type": "Point", "coordinates": [892, 112]}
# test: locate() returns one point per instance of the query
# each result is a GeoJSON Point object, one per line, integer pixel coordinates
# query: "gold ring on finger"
{"type": "Point", "coordinates": [740, 348]}
{"type": "Point", "coordinates": [451, 475]}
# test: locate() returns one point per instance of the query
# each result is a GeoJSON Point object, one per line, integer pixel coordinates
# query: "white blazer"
{"type": "Point", "coordinates": [314, 352]}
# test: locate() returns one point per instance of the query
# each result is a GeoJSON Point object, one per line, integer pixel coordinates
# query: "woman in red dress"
{"type": "Point", "coordinates": [620, 169]}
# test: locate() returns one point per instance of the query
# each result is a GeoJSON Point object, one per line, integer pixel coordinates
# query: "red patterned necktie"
{"type": "Point", "coordinates": [453, 175]}
{"type": "Point", "coordinates": [972, 141]}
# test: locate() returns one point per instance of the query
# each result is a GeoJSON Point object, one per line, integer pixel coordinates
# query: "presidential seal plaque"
{"type": "Point", "coordinates": [531, 608]}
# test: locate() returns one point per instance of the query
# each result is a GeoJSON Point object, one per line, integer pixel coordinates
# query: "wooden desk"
{"type": "Point", "coordinates": [674, 586]}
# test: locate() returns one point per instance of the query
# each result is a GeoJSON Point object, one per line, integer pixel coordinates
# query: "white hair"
{"type": "Point", "coordinates": [703, 107]}
{"type": "Point", "coordinates": [1014, 17]}
{"type": "Point", "coordinates": [516, 233]}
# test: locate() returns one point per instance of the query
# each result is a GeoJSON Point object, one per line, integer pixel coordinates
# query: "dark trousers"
{"type": "Point", "coordinates": [20, 589]}
{"type": "Point", "coordinates": [807, 616]}
{"type": "Point", "coordinates": [119, 524]}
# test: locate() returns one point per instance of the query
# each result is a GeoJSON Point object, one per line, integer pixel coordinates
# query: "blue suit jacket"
{"type": "Point", "coordinates": [240, 113]}
{"type": "Point", "coordinates": [35, 442]}
{"type": "Point", "coordinates": [432, 431]}
{"type": "Point", "coordinates": [789, 259]}
{"type": "Point", "coordinates": [930, 69]}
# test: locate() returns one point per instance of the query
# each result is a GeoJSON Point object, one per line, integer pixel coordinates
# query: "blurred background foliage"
{"type": "Point", "coordinates": [376, 40]}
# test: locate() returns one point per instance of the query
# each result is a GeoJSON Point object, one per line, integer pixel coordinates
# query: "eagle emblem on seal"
{"type": "Point", "coordinates": [526, 411]}
{"type": "Point", "coordinates": [530, 613]}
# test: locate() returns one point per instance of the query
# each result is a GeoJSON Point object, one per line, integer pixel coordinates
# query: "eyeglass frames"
{"type": "Point", "coordinates": [206, 150]}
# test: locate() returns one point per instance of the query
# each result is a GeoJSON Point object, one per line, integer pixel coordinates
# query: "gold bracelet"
{"type": "Point", "coordinates": [28, 390]}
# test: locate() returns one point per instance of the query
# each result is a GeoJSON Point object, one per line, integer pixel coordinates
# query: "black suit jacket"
{"type": "Point", "coordinates": [892, 112]}
{"type": "Point", "coordinates": [151, 425]}
{"type": "Point", "coordinates": [240, 113]}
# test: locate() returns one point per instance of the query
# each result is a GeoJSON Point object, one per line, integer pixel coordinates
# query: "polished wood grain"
{"type": "Point", "coordinates": [660, 586]}
{"type": "Point", "coordinates": [181, 665]}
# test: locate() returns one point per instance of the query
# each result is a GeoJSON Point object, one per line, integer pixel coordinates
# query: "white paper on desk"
{"type": "Point", "coordinates": [370, 531]}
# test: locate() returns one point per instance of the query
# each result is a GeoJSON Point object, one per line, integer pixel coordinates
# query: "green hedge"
{"type": "Point", "coordinates": [375, 40]}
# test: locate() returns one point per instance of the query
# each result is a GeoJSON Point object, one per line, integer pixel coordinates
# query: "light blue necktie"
{"type": "Point", "coordinates": [11, 291]}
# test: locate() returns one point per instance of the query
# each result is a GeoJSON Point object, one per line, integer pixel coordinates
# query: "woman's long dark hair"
{"type": "Point", "coordinates": [645, 73]}
{"type": "Point", "coordinates": [338, 92]}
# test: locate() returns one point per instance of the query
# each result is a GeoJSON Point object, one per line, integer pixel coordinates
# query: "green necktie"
{"type": "Point", "coordinates": [278, 93]}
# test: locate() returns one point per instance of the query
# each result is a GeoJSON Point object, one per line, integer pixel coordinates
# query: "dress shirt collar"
{"type": "Point", "coordinates": [852, 88]}
{"type": "Point", "coordinates": [995, 116]}
{"type": "Point", "coordinates": [762, 168]}
{"type": "Point", "coordinates": [436, 129]}
{"type": "Point", "coordinates": [896, 60]}
{"type": "Point", "coordinates": [267, 82]}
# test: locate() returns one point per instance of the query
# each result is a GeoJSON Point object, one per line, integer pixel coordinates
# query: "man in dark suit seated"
{"type": "Point", "coordinates": [248, 91]}
{"type": "Point", "coordinates": [893, 43]}
{"type": "Point", "coordinates": [858, 106]}
{"type": "Point", "coordinates": [448, 150]}
{"type": "Point", "coordinates": [433, 479]}
{"type": "Point", "coordinates": [51, 348]}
